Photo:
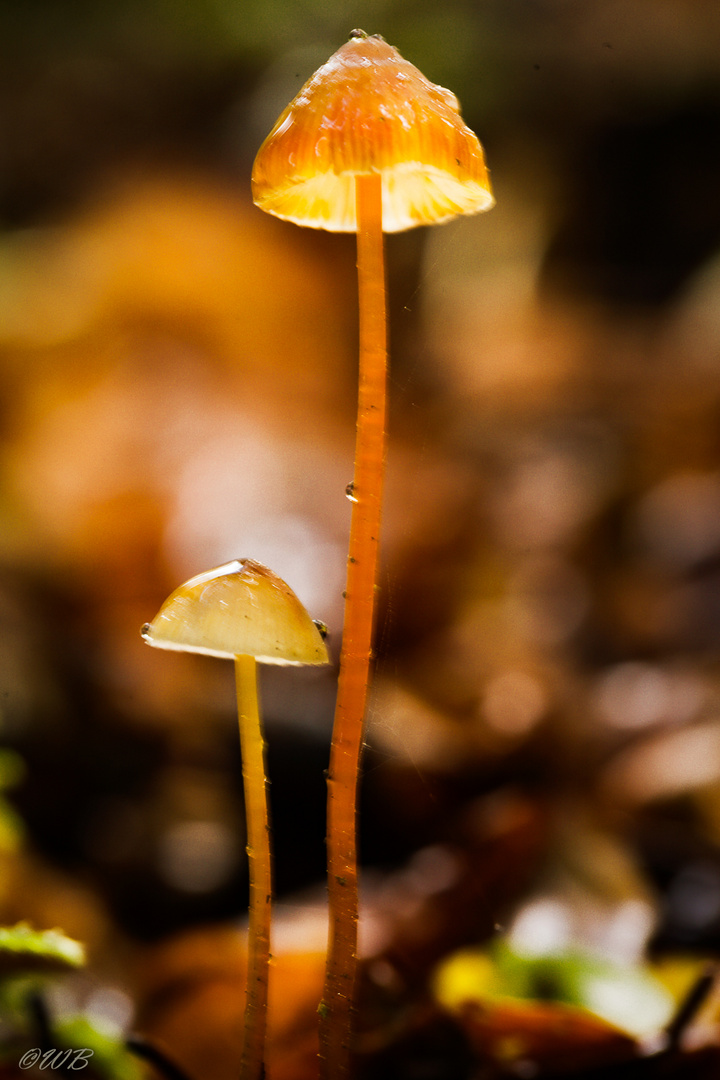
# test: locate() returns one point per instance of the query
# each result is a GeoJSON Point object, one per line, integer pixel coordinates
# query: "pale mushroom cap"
{"type": "Point", "coordinates": [367, 110]}
{"type": "Point", "coordinates": [239, 609]}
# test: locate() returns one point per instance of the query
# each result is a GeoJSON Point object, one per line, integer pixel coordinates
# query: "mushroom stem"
{"type": "Point", "coordinates": [260, 867]}
{"type": "Point", "coordinates": [337, 1005]}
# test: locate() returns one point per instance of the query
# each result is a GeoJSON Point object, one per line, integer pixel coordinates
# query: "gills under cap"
{"type": "Point", "coordinates": [239, 609]}
{"type": "Point", "coordinates": [367, 110]}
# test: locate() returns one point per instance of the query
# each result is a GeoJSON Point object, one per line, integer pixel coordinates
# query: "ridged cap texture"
{"type": "Point", "coordinates": [368, 110]}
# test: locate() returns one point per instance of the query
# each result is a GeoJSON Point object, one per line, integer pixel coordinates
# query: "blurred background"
{"type": "Point", "coordinates": [178, 389]}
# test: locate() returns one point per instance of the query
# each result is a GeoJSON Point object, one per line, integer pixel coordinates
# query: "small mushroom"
{"type": "Point", "coordinates": [368, 112]}
{"type": "Point", "coordinates": [244, 612]}
{"type": "Point", "coordinates": [368, 145]}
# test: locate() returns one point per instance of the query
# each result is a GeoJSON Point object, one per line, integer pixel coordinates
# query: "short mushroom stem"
{"type": "Point", "coordinates": [260, 867]}
{"type": "Point", "coordinates": [337, 1005]}
{"type": "Point", "coordinates": [242, 611]}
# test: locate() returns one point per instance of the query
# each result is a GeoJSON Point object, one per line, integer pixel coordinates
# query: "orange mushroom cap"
{"type": "Point", "coordinates": [367, 111]}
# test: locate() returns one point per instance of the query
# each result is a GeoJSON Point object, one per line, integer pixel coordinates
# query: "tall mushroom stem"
{"type": "Point", "coordinates": [260, 867]}
{"type": "Point", "coordinates": [337, 1005]}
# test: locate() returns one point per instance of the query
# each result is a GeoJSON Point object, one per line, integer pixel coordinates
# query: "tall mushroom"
{"type": "Point", "coordinates": [244, 612]}
{"type": "Point", "coordinates": [368, 145]}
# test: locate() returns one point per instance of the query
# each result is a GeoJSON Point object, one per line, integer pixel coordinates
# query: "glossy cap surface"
{"type": "Point", "coordinates": [368, 110]}
{"type": "Point", "coordinates": [239, 609]}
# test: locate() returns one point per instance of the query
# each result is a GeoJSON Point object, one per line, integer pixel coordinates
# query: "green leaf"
{"type": "Point", "coordinates": [25, 951]}
{"type": "Point", "coordinates": [109, 1057]}
{"type": "Point", "coordinates": [627, 996]}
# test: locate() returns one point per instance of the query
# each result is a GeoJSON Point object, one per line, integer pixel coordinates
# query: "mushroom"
{"type": "Point", "coordinates": [244, 612]}
{"type": "Point", "coordinates": [368, 145]}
